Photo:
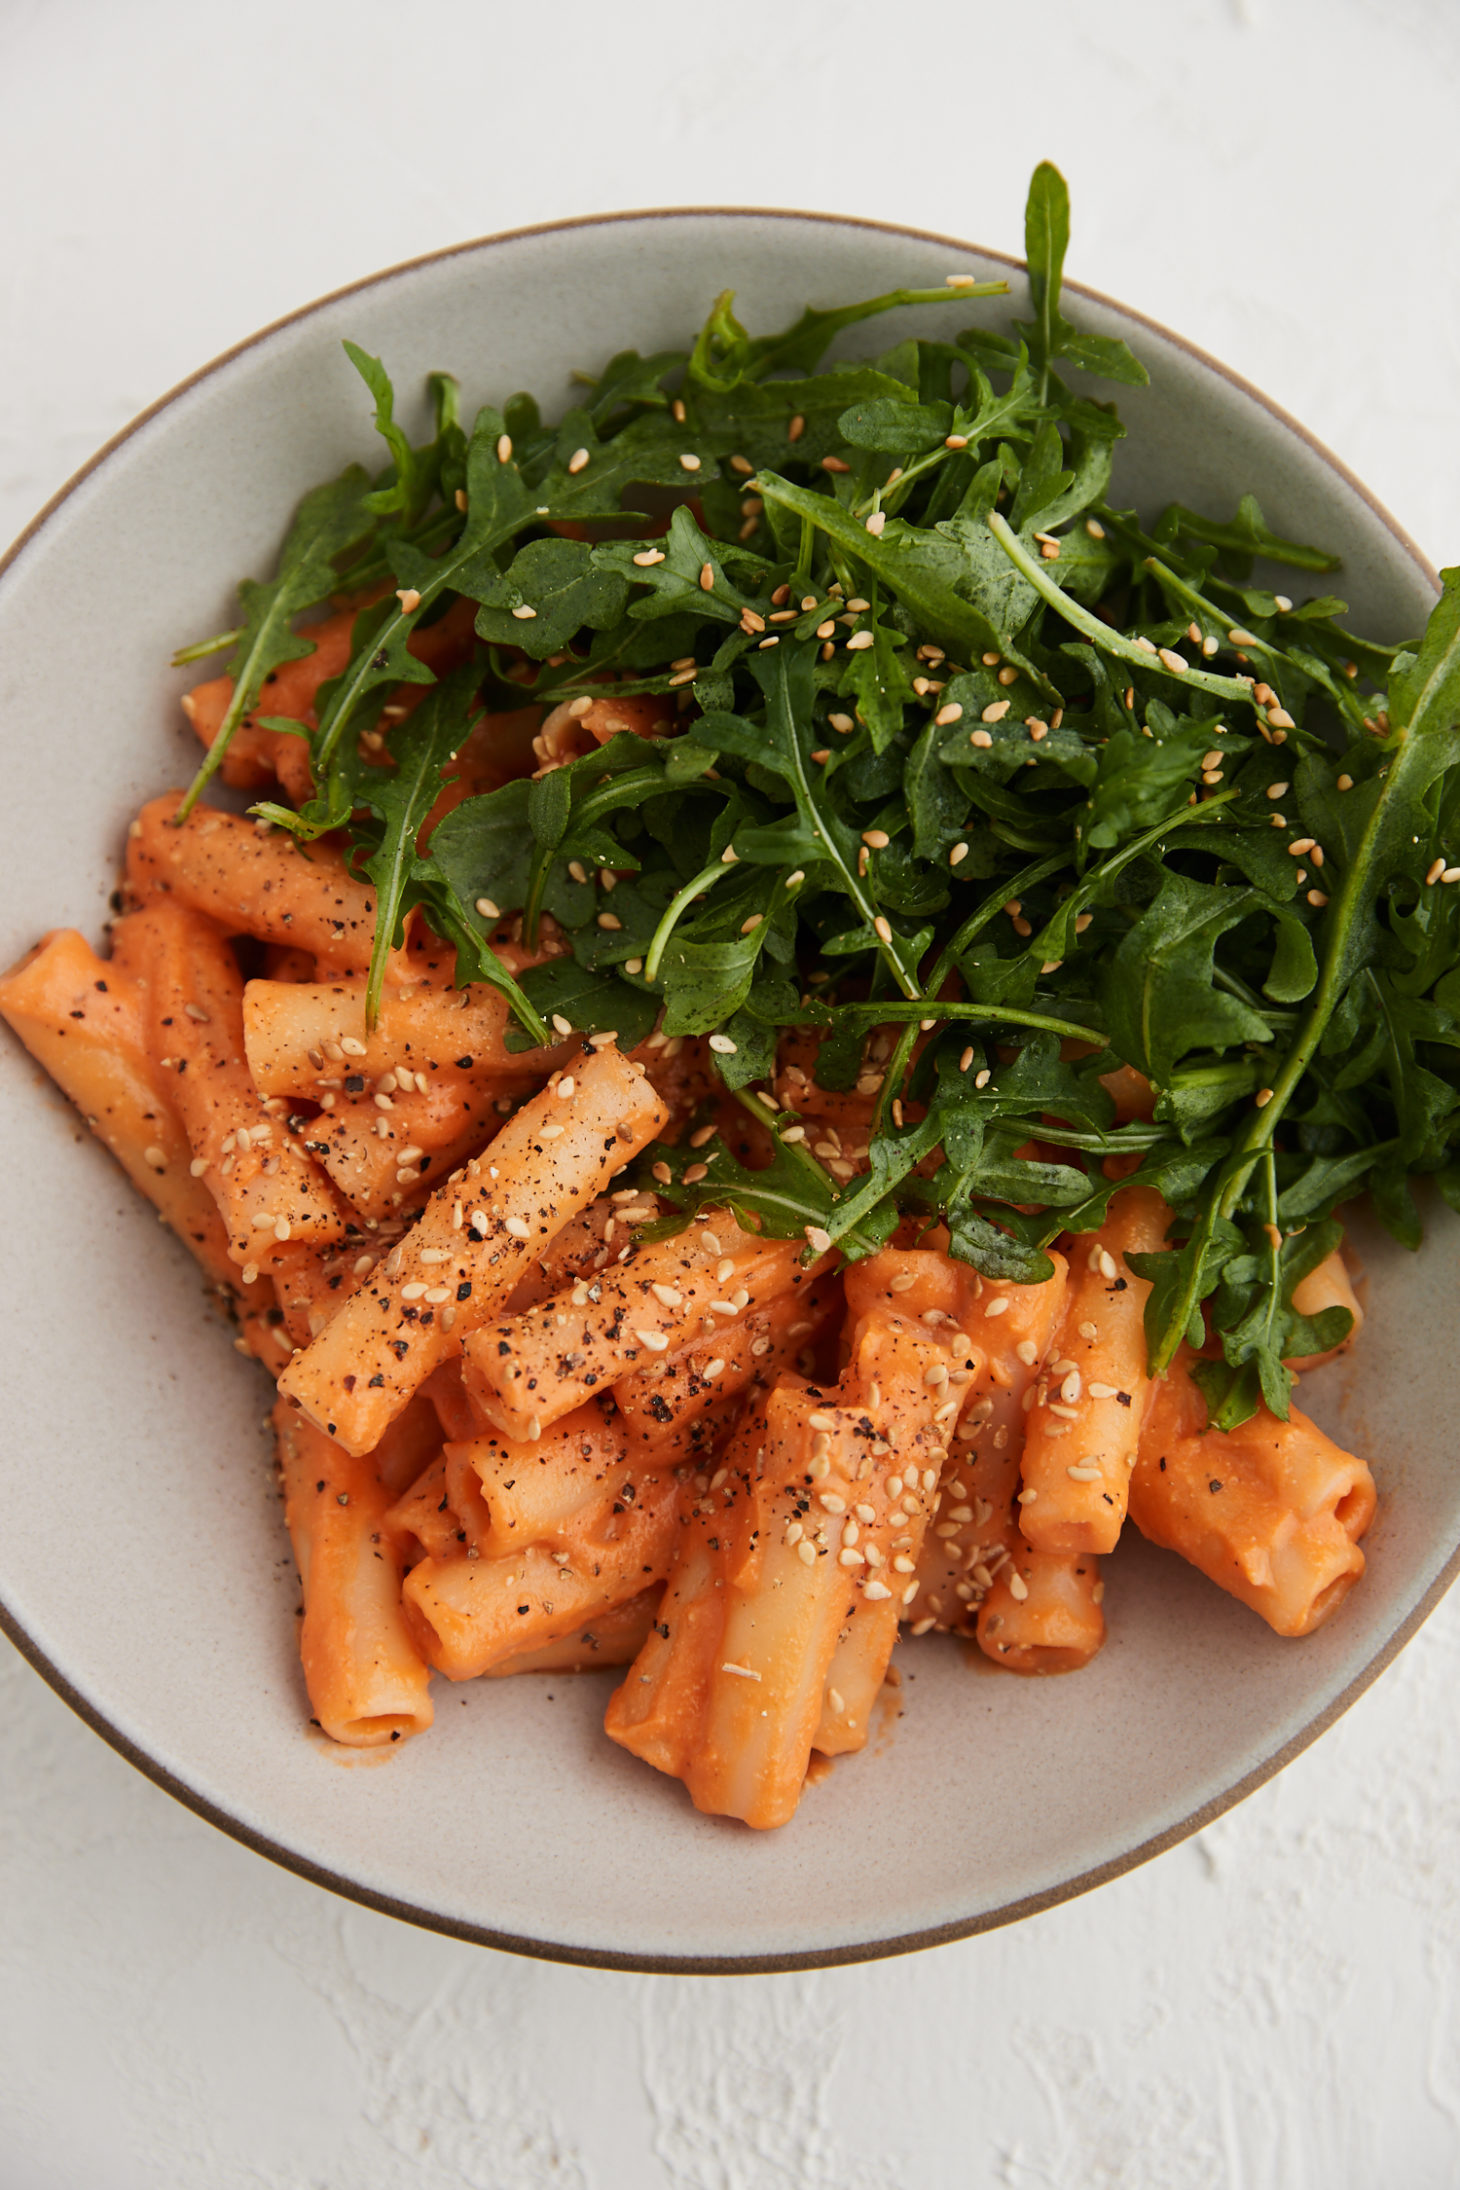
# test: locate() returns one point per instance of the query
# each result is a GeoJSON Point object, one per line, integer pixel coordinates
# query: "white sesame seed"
{"type": "Point", "coordinates": [817, 1239]}
{"type": "Point", "coordinates": [690, 462]}
{"type": "Point", "coordinates": [656, 1342]}
{"type": "Point", "coordinates": [998, 1306]}
{"type": "Point", "coordinates": [523, 613]}
{"type": "Point", "coordinates": [1083, 1474]}
{"type": "Point", "coordinates": [722, 1045]}
{"type": "Point", "coordinates": [1172, 661]}
{"type": "Point", "coordinates": [742, 1672]}
{"type": "Point", "coordinates": [860, 640]}
{"type": "Point", "coordinates": [487, 909]}
{"type": "Point", "coordinates": [876, 522]}
{"type": "Point", "coordinates": [953, 712]}
{"type": "Point", "coordinates": [1018, 1588]}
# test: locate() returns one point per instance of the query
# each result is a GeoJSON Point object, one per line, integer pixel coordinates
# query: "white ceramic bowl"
{"type": "Point", "coordinates": [143, 1565]}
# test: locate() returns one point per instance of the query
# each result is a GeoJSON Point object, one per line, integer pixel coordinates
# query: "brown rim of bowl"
{"type": "Point", "coordinates": [873, 1949]}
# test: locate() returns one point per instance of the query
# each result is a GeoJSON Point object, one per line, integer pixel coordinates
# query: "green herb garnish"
{"type": "Point", "coordinates": [970, 773]}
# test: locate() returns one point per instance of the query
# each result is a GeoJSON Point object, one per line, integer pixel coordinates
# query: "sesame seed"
{"type": "Point", "coordinates": [695, 1173]}
{"type": "Point", "coordinates": [647, 557]}
{"type": "Point", "coordinates": [1283, 603]}
{"type": "Point", "coordinates": [742, 1672]}
{"type": "Point", "coordinates": [817, 1239]}
{"type": "Point", "coordinates": [958, 854]}
{"type": "Point", "coordinates": [489, 911]}
{"type": "Point", "coordinates": [523, 613]}
{"type": "Point", "coordinates": [876, 522]}
{"type": "Point", "coordinates": [860, 640]}
{"type": "Point", "coordinates": [609, 921]}
{"type": "Point", "coordinates": [1435, 870]}
{"type": "Point", "coordinates": [995, 711]}
{"type": "Point", "coordinates": [982, 1079]}
{"type": "Point", "coordinates": [953, 712]}
{"type": "Point", "coordinates": [518, 1227]}
{"type": "Point", "coordinates": [998, 1306]}
{"type": "Point", "coordinates": [722, 1045]}
{"type": "Point", "coordinates": [656, 1342]}
{"type": "Point", "coordinates": [806, 1553]}
{"type": "Point", "coordinates": [1302, 844]}
{"type": "Point", "coordinates": [578, 460]}
{"type": "Point", "coordinates": [955, 441]}
{"type": "Point", "coordinates": [1168, 659]}
{"type": "Point", "coordinates": [1105, 1263]}
{"type": "Point", "coordinates": [842, 724]}
{"type": "Point", "coordinates": [982, 737]}
{"type": "Point", "coordinates": [633, 965]}
{"type": "Point", "coordinates": [882, 927]}
{"type": "Point", "coordinates": [684, 676]}
{"type": "Point", "coordinates": [1027, 1351]}
{"type": "Point", "coordinates": [1263, 1097]}
{"type": "Point", "coordinates": [1018, 1588]}
{"type": "Point", "coordinates": [689, 462]}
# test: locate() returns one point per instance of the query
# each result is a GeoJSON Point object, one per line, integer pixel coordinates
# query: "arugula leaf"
{"type": "Point", "coordinates": [328, 523]}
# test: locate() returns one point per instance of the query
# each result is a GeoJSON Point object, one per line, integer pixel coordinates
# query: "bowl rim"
{"type": "Point", "coordinates": [879, 1949]}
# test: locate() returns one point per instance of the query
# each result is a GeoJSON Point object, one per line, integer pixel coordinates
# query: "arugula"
{"type": "Point", "coordinates": [970, 785]}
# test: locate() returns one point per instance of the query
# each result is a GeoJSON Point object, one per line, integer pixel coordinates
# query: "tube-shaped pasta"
{"type": "Point", "coordinates": [82, 1019]}
{"type": "Point", "coordinates": [901, 1370]}
{"type": "Point", "coordinates": [661, 1401]}
{"type": "Point", "coordinates": [475, 1239]}
{"type": "Point", "coordinates": [1006, 1331]}
{"type": "Point", "coordinates": [536, 1492]}
{"type": "Point", "coordinates": [657, 1713]}
{"type": "Point", "coordinates": [469, 1614]}
{"type": "Point", "coordinates": [296, 1035]}
{"type": "Point", "coordinates": [803, 1528]}
{"type": "Point", "coordinates": [267, 1187]}
{"type": "Point", "coordinates": [614, 1637]}
{"type": "Point", "coordinates": [538, 1366]}
{"type": "Point", "coordinates": [1084, 1429]}
{"type": "Point", "coordinates": [1042, 1612]}
{"type": "Point", "coordinates": [421, 1516]}
{"type": "Point", "coordinates": [1271, 1511]}
{"type": "Point", "coordinates": [1329, 1286]}
{"type": "Point", "coordinates": [366, 1679]}
{"type": "Point", "coordinates": [252, 881]}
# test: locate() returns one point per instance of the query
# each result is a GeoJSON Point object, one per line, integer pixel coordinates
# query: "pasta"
{"type": "Point", "coordinates": [686, 1234]}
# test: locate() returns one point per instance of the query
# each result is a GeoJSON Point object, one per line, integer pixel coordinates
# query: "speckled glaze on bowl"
{"type": "Point", "coordinates": [144, 1568]}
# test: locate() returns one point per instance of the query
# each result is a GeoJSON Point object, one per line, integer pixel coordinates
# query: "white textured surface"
{"type": "Point", "coordinates": [1272, 2006]}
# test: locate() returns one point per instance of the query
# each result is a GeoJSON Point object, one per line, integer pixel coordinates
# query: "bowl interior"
{"type": "Point", "coordinates": [144, 1565]}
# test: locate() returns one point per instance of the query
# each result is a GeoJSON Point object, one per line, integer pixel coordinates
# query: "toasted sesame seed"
{"type": "Point", "coordinates": [610, 921]}
{"type": "Point", "coordinates": [633, 965]}
{"type": "Point", "coordinates": [876, 522]}
{"type": "Point", "coordinates": [882, 927]}
{"type": "Point", "coordinates": [523, 613]}
{"type": "Point", "coordinates": [1176, 663]}
{"type": "Point", "coordinates": [953, 712]}
{"type": "Point", "coordinates": [1434, 872]}
{"type": "Point", "coordinates": [860, 640]}
{"type": "Point", "coordinates": [996, 711]}
{"type": "Point", "coordinates": [877, 838]}
{"type": "Point", "coordinates": [1263, 1097]}
{"type": "Point", "coordinates": [1302, 844]}
{"type": "Point", "coordinates": [982, 737]}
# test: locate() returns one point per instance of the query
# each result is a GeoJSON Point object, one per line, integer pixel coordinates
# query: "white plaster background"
{"type": "Point", "coordinates": [1272, 2006]}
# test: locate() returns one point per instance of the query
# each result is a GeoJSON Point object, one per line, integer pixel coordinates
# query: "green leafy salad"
{"type": "Point", "coordinates": [977, 789]}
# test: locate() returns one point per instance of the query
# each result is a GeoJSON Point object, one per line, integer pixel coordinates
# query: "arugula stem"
{"type": "Point", "coordinates": [202, 648]}
{"type": "Point", "coordinates": [669, 919]}
{"type": "Point", "coordinates": [1100, 634]}
{"type": "Point", "coordinates": [875, 1014]}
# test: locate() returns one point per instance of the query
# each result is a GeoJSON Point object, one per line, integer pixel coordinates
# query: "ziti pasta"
{"type": "Point", "coordinates": [770, 1065]}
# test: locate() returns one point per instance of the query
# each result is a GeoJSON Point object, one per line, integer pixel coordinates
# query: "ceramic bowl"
{"type": "Point", "coordinates": [144, 1567]}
